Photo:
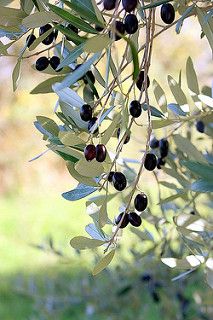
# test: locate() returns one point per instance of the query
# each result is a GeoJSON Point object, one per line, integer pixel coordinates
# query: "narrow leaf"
{"type": "Point", "coordinates": [82, 243]}
{"type": "Point", "coordinates": [103, 263]}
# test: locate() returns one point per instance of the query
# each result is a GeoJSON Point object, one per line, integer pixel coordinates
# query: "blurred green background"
{"type": "Point", "coordinates": [36, 284]}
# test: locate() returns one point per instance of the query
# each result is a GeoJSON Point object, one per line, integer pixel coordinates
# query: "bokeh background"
{"type": "Point", "coordinates": [38, 284]}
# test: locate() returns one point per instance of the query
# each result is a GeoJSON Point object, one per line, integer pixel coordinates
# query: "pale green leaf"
{"type": "Point", "coordinates": [188, 148]}
{"type": "Point", "coordinates": [178, 94]}
{"type": "Point", "coordinates": [160, 96]}
{"type": "Point", "coordinates": [110, 130]}
{"type": "Point", "coordinates": [89, 169]}
{"type": "Point", "coordinates": [11, 17]}
{"type": "Point", "coordinates": [70, 139]}
{"type": "Point", "coordinates": [103, 263]}
{"type": "Point", "coordinates": [38, 19]}
{"type": "Point", "coordinates": [78, 177]}
{"type": "Point", "coordinates": [82, 243]}
{"type": "Point", "coordinates": [157, 124]}
{"type": "Point", "coordinates": [97, 43]}
{"type": "Point", "coordinates": [205, 25]}
{"type": "Point", "coordinates": [191, 77]}
{"type": "Point", "coordinates": [16, 74]}
{"type": "Point", "coordinates": [48, 124]}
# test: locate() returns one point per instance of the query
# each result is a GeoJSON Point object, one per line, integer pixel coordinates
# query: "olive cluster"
{"type": "Point", "coordinates": [86, 115]}
{"type": "Point", "coordinates": [43, 62]}
{"type": "Point", "coordinates": [163, 146]}
{"type": "Point", "coordinates": [140, 203]}
{"type": "Point", "coordinates": [130, 23]}
{"type": "Point", "coordinates": [99, 152]}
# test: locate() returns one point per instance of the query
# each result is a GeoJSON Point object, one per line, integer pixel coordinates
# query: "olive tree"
{"type": "Point", "coordinates": [99, 64]}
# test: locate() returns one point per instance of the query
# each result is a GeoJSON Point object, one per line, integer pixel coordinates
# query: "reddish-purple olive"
{"type": "Point", "coordinates": [141, 202]}
{"type": "Point", "coordinates": [150, 162]}
{"type": "Point", "coordinates": [101, 152]}
{"type": "Point", "coordinates": [124, 222]}
{"type": "Point", "coordinates": [90, 152]}
{"type": "Point", "coordinates": [129, 5]}
{"type": "Point", "coordinates": [134, 219]}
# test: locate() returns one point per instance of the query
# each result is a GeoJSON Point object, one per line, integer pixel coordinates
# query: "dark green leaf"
{"type": "Point", "coordinates": [83, 10]}
{"type": "Point", "coordinates": [77, 22]}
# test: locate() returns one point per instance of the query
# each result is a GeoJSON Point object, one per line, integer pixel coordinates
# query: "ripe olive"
{"type": "Point", "coordinates": [86, 112]}
{"type": "Point", "coordinates": [109, 4]}
{"type": "Point", "coordinates": [49, 39]}
{"type": "Point", "coordinates": [150, 162]}
{"type": "Point", "coordinates": [200, 126]}
{"type": "Point", "coordinates": [100, 152]}
{"type": "Point", "coordinates": [54, 62]}
{"type": "Point", "coordinates": [90, 152]}
{"type": "Point", "coordinates": [124, 222]}
{"type": "Point", "coordinates": [131, 23]}
{"type": "Point", "coordinates": [161, 162]}
{"type": "Point", "coordinates": [110, 176]}
{"type": "Point", "coordinates": [135, 109]}
{"type": "Point", "coordinates": [167, 13]}
{"type": "Point", "coordinates": [154, 143]}
{"type": "Point", "coordinates": [71, 28]}
{"type": "Point", "coordinates": [119, 181]}
{"type": "Point", "coordinates": [164, 147]}
{"type": "Point", "coordinates": [30, 39]}
{"type": "Point", "coordinates": [91, 124]}
{"type": "Point", "coordinates": [134, 219]}
{"type": "Point", "coordinates": [120, 28]}
{"type": "Point", "coordinates": [140, 83]}
{"type": "Point", "coordinates": [42, 63]}
{"type": "Point", "coordinates": [129, 5]}
{"type": "Point", "coordinates": [141, 202]}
